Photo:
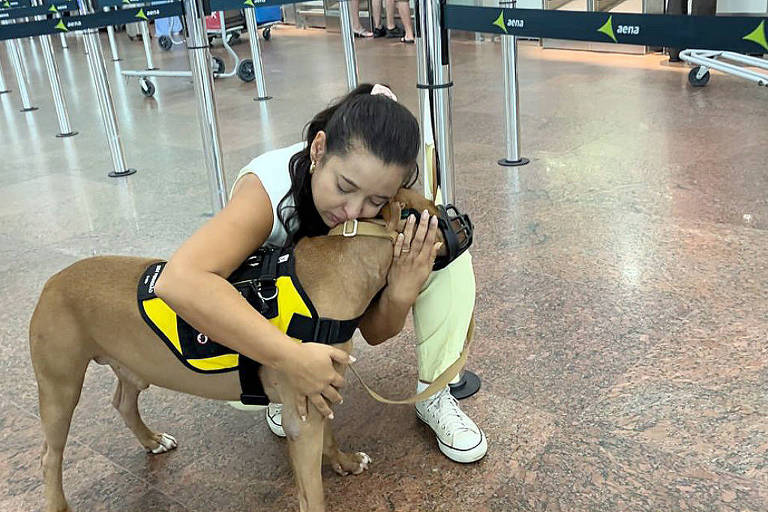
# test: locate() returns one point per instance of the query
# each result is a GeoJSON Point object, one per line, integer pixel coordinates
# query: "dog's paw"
{"type": "Point", "coordinates": [352, 463]}
{"type": "Point", "coordinates": [165, 443]}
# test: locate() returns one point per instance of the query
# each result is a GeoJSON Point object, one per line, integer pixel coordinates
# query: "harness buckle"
{"type": "Point", "coordinates": [349, 234]}
{"type": "Point", "coordinates": [271, 297]}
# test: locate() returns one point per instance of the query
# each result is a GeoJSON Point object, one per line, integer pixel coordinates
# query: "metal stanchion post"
{"type": "Point", "coordinates": [348, 40]}
{"type": "Point", "coordinates": [104, 94]}
{"type": "Point", "coordinates": [253, 39]}
{"type": "Point", "coordinates": [112, 42]}
{"type": "Point", "coordinates": [144, 26]}
{"type": "Point", "coordinates": [202, 76]}
{"type": "Point", "coordinates": [14, 54]}
{"type": "Point", "coordinates": [427, 137]}
{"type": "Point", "coordinates": [434, 65]}
{"type": "Point", "coordinates": [438, 85]}
{"type": "Point", "coordinates": [511, 100]}
{"type": "Point", "coordinates": [65, 129]}
{"type": "Point", "coordinates": [64, 45]}
{"type": "Point", "coordinates": [3, 88]}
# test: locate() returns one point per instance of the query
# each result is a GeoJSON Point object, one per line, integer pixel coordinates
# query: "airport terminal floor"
{"type": "Point", "coordinates": [622, 284]}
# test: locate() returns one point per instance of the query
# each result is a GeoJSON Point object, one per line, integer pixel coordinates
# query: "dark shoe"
{"type": "Point", "coordinates": [406, 41]}
{"type": "Point", "coordinates": [395, 32]}
{"type": "Point", "coordinates": [379, 32]}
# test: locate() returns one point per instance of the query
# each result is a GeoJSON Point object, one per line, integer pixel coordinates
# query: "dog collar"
{"type": "Point", "coordinates": [352, 228]}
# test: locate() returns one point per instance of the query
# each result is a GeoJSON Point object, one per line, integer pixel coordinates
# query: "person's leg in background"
{"type": "Point", "coordinates": [441, 317]}
{"type": "Point", "coordinates": [378, 29]}
{"type": "Point", "coordinates": [404, 9]}
{"type": "Point", "coordinates": [677, 7]}
{"type": "Point", "coordinates": [357, 27]}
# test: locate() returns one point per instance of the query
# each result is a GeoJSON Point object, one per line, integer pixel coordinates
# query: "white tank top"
{"type": "Point", "coordinates": [272, 169]}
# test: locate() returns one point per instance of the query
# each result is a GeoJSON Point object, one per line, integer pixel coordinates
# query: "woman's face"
{"type": "Point", "coordinates": [352, 186]}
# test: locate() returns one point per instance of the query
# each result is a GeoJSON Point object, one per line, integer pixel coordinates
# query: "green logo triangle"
{"type": "Point", "coordinates": [61, 26]}
{"type": "Point", "coordinates": [607, 29]}
{"type": "Point", "coordinates": [500, 22]}
{"type": "Point", "coordinates": [249, 3]}
{"type": "Point", "coordinates": [53, 9]}
{"type": "Point", "coordinates": [758, 36]}
{"type": "Point", "coordinates": [6, 4]}
{"type": "Point", "coordinates": [141, 14]}
{"type": "Point", "coordinates": [126, 1]}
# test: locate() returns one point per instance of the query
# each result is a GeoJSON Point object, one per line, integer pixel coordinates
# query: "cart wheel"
{"type": "Point", "coordinates": [218, 65]}
{"type": "Point", "coordinates": [245, 70]}
{"type": "Point", "coordinates": [233, 38]}
{"type": "Point", "coordinates": [147, 87]}
{"type": "Point", "coordinates": [698, 82]}
{"type": "Point", "coordinates": [267, 33]}
{"type": "Point", "coordinates": [165, 43]}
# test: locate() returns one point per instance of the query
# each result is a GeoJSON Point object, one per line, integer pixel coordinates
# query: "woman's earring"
{"type": "Point", "coordinates": [312, 168]}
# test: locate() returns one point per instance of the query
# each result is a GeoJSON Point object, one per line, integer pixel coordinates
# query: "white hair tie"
{"type": "Point", "coordinates": [383, 89]}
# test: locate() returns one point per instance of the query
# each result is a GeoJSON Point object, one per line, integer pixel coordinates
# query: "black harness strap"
{"type": "Point", "coordinates": [324, 330]}
{"type": "Point", "coordinates": [250, 383]}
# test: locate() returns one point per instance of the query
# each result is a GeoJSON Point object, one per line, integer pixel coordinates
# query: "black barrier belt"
{"type": "Point", "coordinates": [735, 33]}
{"type": "Point", "coordinates": [24, 12]}
{"type": "Point", "coordinates": [12, 4]}
{"type": "Point", "coordinates": [96, 20]}
{"type": "Point", "coordinates": [131, 3]}
{"type": "Point", "coordinates": [229, 5]}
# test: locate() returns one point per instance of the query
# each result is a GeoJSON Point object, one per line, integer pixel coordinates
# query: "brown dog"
{"type": "Point", "coordinates": [88, 312]}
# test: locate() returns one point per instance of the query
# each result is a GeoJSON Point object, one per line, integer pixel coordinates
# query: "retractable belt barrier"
{"type": "Point", "coordinates": [737, 33]}
{"type": "Point", "coordinates": [96, 20]}
{"type": "Point", "coordinates": [40, 10]}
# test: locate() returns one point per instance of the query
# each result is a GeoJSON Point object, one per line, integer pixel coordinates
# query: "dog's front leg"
{"type": "Point", "coordinates": [305, 446]}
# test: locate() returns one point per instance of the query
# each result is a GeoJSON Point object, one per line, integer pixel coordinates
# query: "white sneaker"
{"type": "Point", "coordinates": [458, 437]}
{"type": "Point", "coordinates": [275, 419]}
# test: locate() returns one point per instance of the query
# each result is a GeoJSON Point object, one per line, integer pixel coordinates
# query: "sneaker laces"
{"type": "Point", "coordinates": [445, 408]}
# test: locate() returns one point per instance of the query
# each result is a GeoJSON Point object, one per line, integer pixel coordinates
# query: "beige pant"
{"type": "Point", "coordinates": [441, 316]}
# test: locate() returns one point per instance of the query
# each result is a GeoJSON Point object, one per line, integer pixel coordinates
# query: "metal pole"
{"type": "Point", "coordinates": [348, 40]}
{"type": "Point", "coordinates": [65, 129]}
{"type": "Point", "coordinates": [511, 103]}
{"type": "Point", "coordinates": [144, 26]}
{"type": "Point", "coordinates": [112, 43]}
{"type": "Point", "coordinates": [14, 54]}
{"type": "Point", "coordinates": [64, 45]}
{"type": "Point", "coordinates": [3, 88]}
{"type": "Point", "coordinates": [253, 39]}
{"type": "Point", "coordinates": [438, 83]}
{"type": "Point", "coordinates": [427, 137]}
{"type": "Point", "coordinates": [104, 94]}
{"type": "Point", "coordinates": [202, 76]}
{"type": "Point", "coordinates": [434, 68]}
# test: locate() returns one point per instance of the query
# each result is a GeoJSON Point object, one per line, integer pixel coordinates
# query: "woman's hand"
{"type": "Point", "coordinates": [313, 377]}
{"type": "Point", "coordinates": [414, 258]}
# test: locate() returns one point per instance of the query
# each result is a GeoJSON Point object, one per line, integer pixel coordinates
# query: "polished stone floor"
{"type": "Point", "coordinates": [622, 285]}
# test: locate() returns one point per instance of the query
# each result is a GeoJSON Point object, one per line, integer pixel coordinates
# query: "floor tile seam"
{"type": "Point", "coordinates": [76, 439]}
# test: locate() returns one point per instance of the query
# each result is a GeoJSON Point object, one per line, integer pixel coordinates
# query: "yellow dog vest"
{"type": "Point", "coordinates": [268, 282]}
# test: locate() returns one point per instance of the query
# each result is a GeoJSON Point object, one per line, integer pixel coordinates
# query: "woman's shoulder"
{"type": "Point", "coordinates": [266, 162]}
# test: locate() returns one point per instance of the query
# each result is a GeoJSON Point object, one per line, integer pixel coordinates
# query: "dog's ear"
{"type": "Point", "coordinates": [391, 214]}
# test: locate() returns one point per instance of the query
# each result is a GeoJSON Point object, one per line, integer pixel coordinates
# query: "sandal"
{"type": "Point", "coordinates": [406, 41]}
{"type": "Point", "coordinates": [361, 32]}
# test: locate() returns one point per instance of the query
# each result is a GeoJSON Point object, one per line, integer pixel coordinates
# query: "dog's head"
{"type": "Point", "coordinates": [455, 230]}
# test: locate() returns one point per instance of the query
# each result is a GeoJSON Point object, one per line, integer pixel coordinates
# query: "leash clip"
{"type": "Point", "coordinates": [349, 234]}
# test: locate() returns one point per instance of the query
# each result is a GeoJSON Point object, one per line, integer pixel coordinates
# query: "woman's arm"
{"type": "Point", "coordinates": [194, 285]}
{"type": "Point", "coordinates": [384, 319]}
{"type": "Point", "coordinates": [413, 259]}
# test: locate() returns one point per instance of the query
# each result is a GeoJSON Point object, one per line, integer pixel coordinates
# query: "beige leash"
{"type": "Point", "coordinates": [439, 383]}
